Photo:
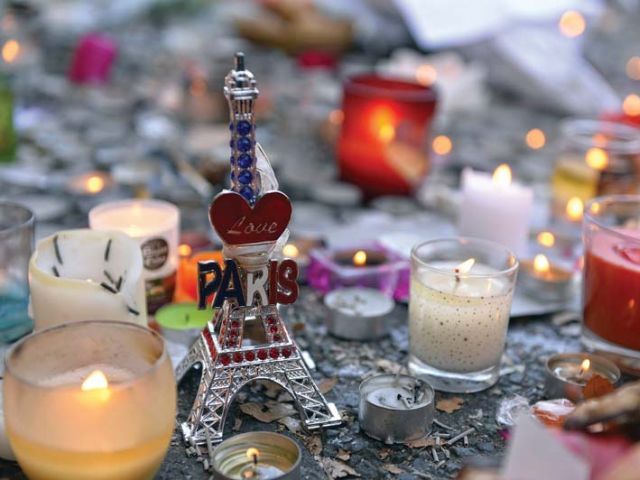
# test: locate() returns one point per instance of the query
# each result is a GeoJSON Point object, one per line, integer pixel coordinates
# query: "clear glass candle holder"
{"type": "Point", "coordinates": [16, 244]}
{"type": "Point", "coordinates": [90, 400]}
{"type": "Point", "coordinates": [459, 306]}
{"type": "Point", "coordinates": [611, 287]}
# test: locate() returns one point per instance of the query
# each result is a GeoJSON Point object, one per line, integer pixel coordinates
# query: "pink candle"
{"type": "Point", "coordinates": [92, 59]}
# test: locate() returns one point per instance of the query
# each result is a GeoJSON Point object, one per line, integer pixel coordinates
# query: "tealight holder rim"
{"type": "Point", "coordinates": [29, 221]}
{"type": "Point", "coordinates": [580, 356]}
{"type": "Point", "coordinates": [428, 388]}
{"type": "Point", "coordinates": [589, 216]}
{"type": "Point", "coordinates": [172, 214]}
{"type": "Point", "coordinates": [157, 363]}
{"type": "Point", "coordinates": [461, 241]}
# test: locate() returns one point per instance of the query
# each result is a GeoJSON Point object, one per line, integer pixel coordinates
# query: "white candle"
{"type": "Point", "coordinates": [495, 209]}
{"type": "Point", "coordinates": [459, 325]}
{"type": "Point", "coordinates": [155, 226]}
{"type": "Point", "coordinates": [78, 275]}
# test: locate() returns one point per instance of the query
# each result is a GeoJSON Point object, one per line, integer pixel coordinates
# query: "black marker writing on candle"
{"type": "Point", "coordinates": [57, 250]}
{"type": "Point", "coordinates": [107, 251]}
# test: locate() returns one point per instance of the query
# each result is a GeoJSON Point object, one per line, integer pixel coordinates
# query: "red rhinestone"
{"type": "Point", "coordinates": [235, 324]}
{"type": "Point", "coordinates": [274, 353]}
{"type": "Point", "coordinates": [286, 352]}
{"type": "Point", "coordinates": [225, 359]}
{"type": "Point", "coordinates": [237, 357]}
{"type": "Point", "coordinates": [262, 354]}
{"type": "Point", "coordinates": [277, 337]}
{"type": "Point", "coordinates": [273, 329]}
{"type": "Point", "coordinates": [234, 331]}
{"type": "Point", "coordinates": [271, 320]}
{"type": "Point", "coordinates": [250, 355]}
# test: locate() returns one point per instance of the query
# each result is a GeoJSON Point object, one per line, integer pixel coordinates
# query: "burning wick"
{"type": "Point", "coordinates": [360, 258]}
{"type": "Point", "coordinates": [584, 367]}
{"type": "Point", "coordinates": [95, 381]}
{"type": "Point", "coordinates": [252, 454]}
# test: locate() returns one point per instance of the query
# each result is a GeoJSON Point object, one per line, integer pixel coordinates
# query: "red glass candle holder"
{"type": "Point", "coordinates": [382, 143]}
{"type": "Point", "coordinates": [611, 296]}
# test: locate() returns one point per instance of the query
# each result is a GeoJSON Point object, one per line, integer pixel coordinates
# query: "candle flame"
{"type": "Point", "coordinates": [426, 75]}
{"type": "Point", "coordinates": [290, 250]}
{"type": "Point", "coordinates": [572, 24]}
{"type": "Point", "coordinates": [253, 454]}
{"type": "Point", "coordinates": [336, 117]}
{"type": "Point", "coordinates": [631, 105]}
{"type": "Point", "coordinates": [95, 381]}
{"type": "Point", "coordinates": [502, 175]}
{"type": "Point", "coordinates": [535, 139]}
{"type": "Point", "coordinates": [574, 209]}
{"type": "Point", "coordinates": [441, 145]}
{"type": "Point", "coordinates": [546, 239]}
{"type": "Point", "coordinates": [465, 267]}
{"type": "Point", "coordinates": [184, 250]}
{"type": "Point", "coordinates": [360, 258]}
{"type": "Point", "coordinates": [10, 50]}
{"type": "Point", "coordinates": [585, 366]}
{"type": "Point", "coordinates": [387, 132]}
{"type": "Point", "coordinates": [198, 86]}
{"type": "Point", "coordinates": [597, 158]}
{"type": "Point", "coordinates": [94, 184]}
{"type": "Point", "coordinates": [633, 68]}
{"type": "Point", "coordinates": [541, 263]}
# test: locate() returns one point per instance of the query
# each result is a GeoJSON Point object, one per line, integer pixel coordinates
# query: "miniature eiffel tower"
{"type": "Point", "coordinates": [247, 340]}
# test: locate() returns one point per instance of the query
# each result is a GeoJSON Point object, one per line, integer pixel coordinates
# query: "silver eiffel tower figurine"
{"type": "Point", "coordinates": [247, 339]}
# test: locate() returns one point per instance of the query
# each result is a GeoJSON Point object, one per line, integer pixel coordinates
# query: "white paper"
{"type": "Point", "coordinates": [535, 454]}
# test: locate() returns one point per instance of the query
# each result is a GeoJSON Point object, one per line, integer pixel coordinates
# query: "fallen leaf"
{"type": "Point", "coordinates": [388, 366]}
{"type": "Point", "coordinates": [292, 424]}
{"type": "Point", "coordinates": [313, 444]}
{"type": "Point", "coordinates": [336, 468]}
{"type": "Point", "coordinates": [394, 469]}
{"type": "Point", "coordinates": [449, 405]}
{"type": "Point", "coordinates": [421, 443]}
{"type": "Point", "coordinates": [271, 389]}
{"type": "Point", "coordinates": [343, 455]}
{"type": "Point", "coordinates": [383, 453]}
{"type": "Point", "coordinates": [237, 424]}
{"type": "Point", "coordinates": [267, 413]}
{"type": "Point", "coordinates": [326, 385]}
{"type": "Point", "coordinates": [597, 386]}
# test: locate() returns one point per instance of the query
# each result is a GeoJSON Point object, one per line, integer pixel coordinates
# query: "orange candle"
{"type": "Point", "coordinates": [187, 280]}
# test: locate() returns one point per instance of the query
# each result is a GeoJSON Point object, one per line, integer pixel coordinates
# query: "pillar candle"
{"type": "Point", "coordinates": [78, 275]}
{"type": "Point", "coordinates": [495, 209]}
{"type": "Point", "coordinates": [154, 225]}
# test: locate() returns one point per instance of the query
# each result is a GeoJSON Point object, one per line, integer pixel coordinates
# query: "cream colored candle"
{"type": "Point", "coordinates": [459, 325]}
{"type": "Point", "coordinates": [154, 224]}
{"type": "Point", "coordinates": [83, 274]}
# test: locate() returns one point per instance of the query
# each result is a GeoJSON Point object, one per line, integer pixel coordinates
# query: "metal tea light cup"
{"type": "Point", "coordinates": [410, 420]}
{"type": "Point", "coordinates": [358, 313]}
{"type": "Point", "coordinates": [277, 457]}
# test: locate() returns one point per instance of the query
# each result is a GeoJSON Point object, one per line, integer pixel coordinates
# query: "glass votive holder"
{"type": "Point", "coordinates": [611, 279]}
{"type": "Point", "coordinates": [595, 158]}
{"type": "Point", "coordinates": [90, 400]}
{"type": "Point", "coordinates": [16, 243]}
{"type": "Point", "coordinates": [382, 142]}
{"type": "Point", "coordinates": [459, 306]}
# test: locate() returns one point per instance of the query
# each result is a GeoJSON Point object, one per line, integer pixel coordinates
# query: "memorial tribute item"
{"type": "Point", "coordinates": [246, 339]}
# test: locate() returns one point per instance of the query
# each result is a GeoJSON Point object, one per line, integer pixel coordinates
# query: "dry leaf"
{"type": "Point", "coordinates": [343, 455]}
{"type": "Point", "coordinates": [336, 468]}
{"type": "Point", "coordinates": [421, 443]}
{"type": "Point", "coordinates": [267, 413]}
{"type": "Point", "coordinates": [449, 405]}
{"type": "Point", "coordinates": [388, 366]}
{"type": "Point", "coordinates": [292, 424]}
{"type": "Point", "coordinates": [237, 424]}
{"type": "Point", "coordinates": [313, 444]}
{"type": "Point", "coordinates": [597, 386]}
{"type": "Point", "coordinates": [326, 385]}
{"type": "Point", "coordinates": [383, 453]}
{"type": "Point", "coordinates": [271, 389]}
{"type": "Point", "coordinates": [394, 469]}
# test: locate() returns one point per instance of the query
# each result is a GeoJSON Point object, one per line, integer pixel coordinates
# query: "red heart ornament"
{"type": "Point", "coordinates": [238, 224]}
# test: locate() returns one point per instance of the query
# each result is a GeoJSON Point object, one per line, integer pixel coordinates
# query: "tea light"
{"type": "Point", "coordinates": [83, 274]}
{"type": "Point", "coordinates": [546, 281]}
{"type": "Point", "coordinates": [89, 184]}
{"type": "Point", "coordinates": [182, 322]}
{"type": "Point", "coordinates": [360, 258]}
{"type": "Point", "coordinates": [495, 209]}
{"type": "Point", "coordinates": [257, 455]}
{"type": "Point", "coordinates": [396, 408]}
{"type": "Point", "coordinates": [358, 313]}
{"type": "Point", "coordinates": [566, 374]}
{"type": "Point", "coordinates": [298, 249]}
{"type": "Point", "coordinates": [154, 224]}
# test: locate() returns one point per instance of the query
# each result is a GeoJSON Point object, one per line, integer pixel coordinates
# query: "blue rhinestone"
{"type": "Point", "coordinates": [231, 143]}
{"type": "Point", "coordinates": [231, 126]}
{"type": "Point", "coordinates": [244, 144]}
{"type": "Point", "coordinates": [233, 176]}
{"type": "Point", "coordinates": [245, 177]}
{"type": "Point", "coordinates": [247, 192]}
{"type": "Point", "coordinates": [244, 127]}
{"type": "Point", "coordinates": [232, 159]}
{"type": "Point", "coordinates": [245, 160]}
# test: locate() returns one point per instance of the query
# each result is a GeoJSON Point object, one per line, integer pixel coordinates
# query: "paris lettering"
{"type": "Point", "coordinates": [271, 284]}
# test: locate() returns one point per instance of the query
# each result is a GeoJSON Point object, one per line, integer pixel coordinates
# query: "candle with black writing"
{"type": "Point", "coordinates": [155, 225]}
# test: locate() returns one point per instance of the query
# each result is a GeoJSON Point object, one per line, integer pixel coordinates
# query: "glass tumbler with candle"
{"type": "Point", "coordinates": [595, 158]}
{"type": "Point", "coordinates": [461, 293]}
{"type": "Point", "coordinates": [611, 286]}
{"type": "Point", "coordinates": [16, 243]}
{"type": "Point", "coordinates": [90, 400]}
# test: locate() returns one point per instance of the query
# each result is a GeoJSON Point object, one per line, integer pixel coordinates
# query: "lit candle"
{"type": "Point", "coordinates": [574, 210]}
{"type": "Point", "coordinates": [546, 281]}
{"type": "Point", "coordinates": [494, 208]}
{"type": "Point", "coordinates": [459, 312]}
{"type": "Point", "coordinates": [79, 275]}
{"type": "Point", "coordinates": [89, 184]}
{"type": "Point", "coordinates": [154, 224]}
{"type": "Point", "coordinates": [566, 374]}
{"type": "Point", "coordinates": [90, 400]}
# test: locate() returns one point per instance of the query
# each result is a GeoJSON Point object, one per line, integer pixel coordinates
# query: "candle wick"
{"type": "Point", "coordinates": [255, 460]}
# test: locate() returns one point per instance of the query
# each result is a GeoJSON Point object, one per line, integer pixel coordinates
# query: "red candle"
{"type": "Point", "coordinates": [382, 143]}
{"type": "Point", "coordinates": [612, 287]}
